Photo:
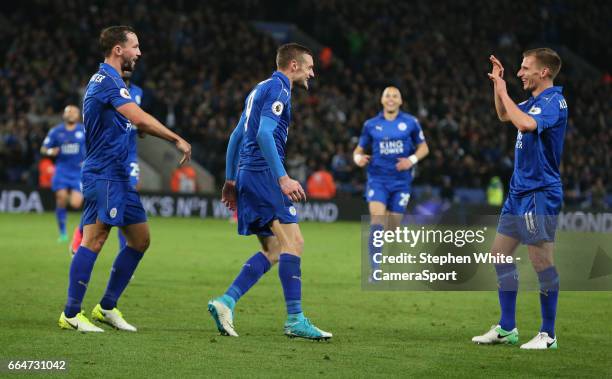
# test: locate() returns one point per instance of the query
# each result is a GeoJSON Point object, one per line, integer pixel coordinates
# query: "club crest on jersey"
{"type": "Point", "coordinates": [113, 213]}
{"type": "Point", "coordinates": [277, 108]}
{"type": "Point", "coordinates": [292, 210]}
{"type": "Point", "coordinates": [370, 193]}
{"type": "Point", "coordinates": [535, 110]}
{"type": "Point", "coordinates": [402, 126]}
{"type": "Point", "coordinates": [78, 134]}
{"type": "Point", "coordinates": [125, 93]}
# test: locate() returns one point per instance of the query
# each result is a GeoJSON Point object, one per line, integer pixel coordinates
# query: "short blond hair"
{"type": "Point", "coordinates": [546, 57]}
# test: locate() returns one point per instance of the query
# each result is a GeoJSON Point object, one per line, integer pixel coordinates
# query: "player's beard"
{"type": "Point", "coordinates": [128, 65]}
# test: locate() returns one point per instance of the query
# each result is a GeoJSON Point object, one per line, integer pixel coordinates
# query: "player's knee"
{"type": "Point", "coordinates": [143, 243]}
{"type": "Point", "coordinates": [298, 243]}
{"type": "Point", "coordinates": [272, 256]}
{"type": "Point", "coordinates": [76, 203]}
{"type": "Point", "coordinates": [540, 262]}
{"type": "Point", "coordinates": [292, 247]}
{"type": "Point", "coordinates": [95, 243]}
{"type": "Point", "coordinates": [61, 201]}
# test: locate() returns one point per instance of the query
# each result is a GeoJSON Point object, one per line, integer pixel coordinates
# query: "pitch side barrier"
{"type": "Point", "coordinates": [23, 199]}
{"type": "Point", "coordinates": [26, 199]}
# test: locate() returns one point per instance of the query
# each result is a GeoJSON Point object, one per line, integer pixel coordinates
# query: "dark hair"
{"type": "Point", "coordinates": [113, 36]}
{"type": "Point", "coordinates": [288, 52]}
{"type": "Point", "coordinates": [546, 57]}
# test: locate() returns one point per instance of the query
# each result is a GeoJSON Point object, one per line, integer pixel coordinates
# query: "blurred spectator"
{"type": "Point", "coordinates": [599, 195]}
{"type": "Point", "coordinates": [321, 184]}
{"type": "Point", "coordinates": [495, 192]}
{"type": "Point", "coordinates": [184, 179]}
{"type": "Point", "coordinates": [46, 170]}
{"type": "Point", "coordinates": [447, 193]}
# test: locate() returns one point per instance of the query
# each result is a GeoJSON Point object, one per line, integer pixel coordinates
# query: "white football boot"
{"type": "Point", "coordinates": [541, 342]}
{"type": "Point", "coordinates": [79, 323]}
{"type": "Point", "coordinates": [497, 335]}
{"type": "Point", "coordinates": [114, 318]}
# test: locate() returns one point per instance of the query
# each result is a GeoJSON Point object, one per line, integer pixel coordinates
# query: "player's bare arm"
{"type": "Point", "coordinates": [498, 70]}
{"type": "Point", "coordinates": [149, 125]}
{"type": "Point", "coordinates": [360, 158]}
{"type": "Point", "coordinates": [407, 163]}
{"type": "Point", "coordinates": [521, 120]}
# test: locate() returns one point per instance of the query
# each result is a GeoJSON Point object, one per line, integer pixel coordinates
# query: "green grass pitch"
{"type": "Point", "coordinates": [190, 260]}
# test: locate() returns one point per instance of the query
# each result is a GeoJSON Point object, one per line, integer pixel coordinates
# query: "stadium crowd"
{"type": "Point", "coordinates": [199, 62]}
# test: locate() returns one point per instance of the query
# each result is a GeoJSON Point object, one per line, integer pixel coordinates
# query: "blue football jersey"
{"type": "Point", "coordinates": [106, 130]}
{"type": "Point", "coordinates": [537, 154]}
{"type": "Point", "coordinates": [390, 140]}
{"type": "Point", "coordinates": [71, 145]}
{"type": "Point", "coordinates": [270, 98]}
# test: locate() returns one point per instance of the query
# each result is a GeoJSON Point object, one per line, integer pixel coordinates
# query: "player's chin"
{"type": "Point", "coordinates": [129, 66]}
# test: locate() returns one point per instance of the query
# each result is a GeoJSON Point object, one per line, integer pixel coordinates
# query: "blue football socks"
{"type": "Point", "coordinates": [251, 271]}
{"type": "Point", "coordinates": [291, 279]}
{"type": "Point", "coordinates": [507, 282]}
{"type": "Point", "coordinates": [123, 268]}
{"type": "Point", "coordinates": [60, 215]}
{"type": "Point", "coordinates": [80, 273]}
{"type": "Point", "coordinates": [549, 294]}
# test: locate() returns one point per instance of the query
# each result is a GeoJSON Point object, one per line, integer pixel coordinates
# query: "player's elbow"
{"type": "Point", "coordinates": [526, 127]}
{"type": "Point", "coordinates": [140, 121]}
{"type": "Point", "coordinates": [503, 117]}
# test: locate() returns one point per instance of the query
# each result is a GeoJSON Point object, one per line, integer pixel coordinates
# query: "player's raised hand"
{"type": "Point", "coordinates": [292, 188]}
{"type": "Point", "coordinates": [228, 194]}
{"type": "Point", "coordinates": [500, 83]}
{"type": "Point", "coordinates": [498, 68]}
{"type": "Point", "coordinates": [185, 148]}
{"type": "Point", "coordinates": [403, 164]}
{"type": "Point", "coordinates": [361, 160]}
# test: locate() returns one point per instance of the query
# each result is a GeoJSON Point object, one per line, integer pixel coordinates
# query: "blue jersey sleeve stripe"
{"type": "Point", "coordinates": [233, 150]}
{"type": "Point", "coordinates": [267, 145]}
